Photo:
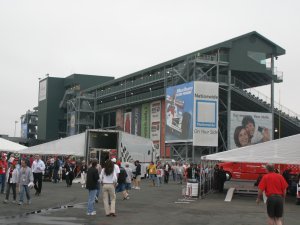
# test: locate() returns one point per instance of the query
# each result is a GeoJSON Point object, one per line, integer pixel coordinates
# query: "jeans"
{"type": "Point", "coordinates": [24, 188]}
{"type": "Point", "coordinates": [158, 181]}
{"type": "Point", "coordinates": [2, 181]}
{"type": "Point", "coordinates": [91, 200]}
{"type": "Point", "coordinates": [13, 186]}
{"type": "Point", "coordinates": [55, 176]}
{"type": "Point", "coordinates": [98, 190]}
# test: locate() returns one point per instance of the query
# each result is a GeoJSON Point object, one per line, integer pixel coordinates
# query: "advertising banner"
{"type": "Point", "coordinates": [248, 128]}
{"type": "Point", "coordinates": [127, 122]}
{"type": "Point", "coordinates": [163, 129]}
{"type": "Point", "coordinates": [24, 130]}
{"type": "Point", "coordinates": [145, 121]}
{"type": "Point", "coordinates": [179, 110]}
{"type": "Point", "coordinates": [155, 125]}
{"type": "Point", "coordinates": [43, 90]}
{"type": "Point", "coordinates": [120, 120]}
{"type": "Point", "coordinates": [155, 121]}
{"type": "Point", "coordinates": [206, 102]}
{"type": "Point", "coordinates": [136, 121]}
{"type": "Point", "coordinates": [72, 130]}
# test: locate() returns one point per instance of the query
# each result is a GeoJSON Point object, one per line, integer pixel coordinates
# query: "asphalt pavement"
{"type": "Point", "coordinates": [60, 205]}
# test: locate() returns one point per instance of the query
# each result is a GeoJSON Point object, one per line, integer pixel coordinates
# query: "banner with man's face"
{"type": "Point", "coordinates": [248, 128]}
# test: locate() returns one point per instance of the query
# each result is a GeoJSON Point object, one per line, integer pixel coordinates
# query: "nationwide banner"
{"type": "Point", "coordinates": [248, 128]}
{"type": "Point", "coordinates": [205, 119]}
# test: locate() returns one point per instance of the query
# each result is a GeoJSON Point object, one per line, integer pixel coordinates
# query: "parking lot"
{"type": "Point", "coordinates": [151, 205]}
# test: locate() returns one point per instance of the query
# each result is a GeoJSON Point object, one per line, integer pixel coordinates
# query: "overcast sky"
{"type": "Point", "coordinates": [119, 37]}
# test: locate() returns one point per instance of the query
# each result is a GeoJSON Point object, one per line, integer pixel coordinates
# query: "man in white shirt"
{"type": "Point", "coordinates": [38, 168]}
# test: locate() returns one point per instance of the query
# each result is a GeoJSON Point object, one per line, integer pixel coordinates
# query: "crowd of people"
{"type": "Point", "coordinates": [21, 172]}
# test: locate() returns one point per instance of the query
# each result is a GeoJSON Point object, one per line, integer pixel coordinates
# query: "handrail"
{"type": "Point", "coordinates": [265, 99]}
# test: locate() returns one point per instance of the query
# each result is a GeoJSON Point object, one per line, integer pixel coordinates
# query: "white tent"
{"type": "Point", "coordinates": [9, 146]}
{"type": "Point", "coordinates": [284, 151]}
{"type": "Point", "coordinates": [73, 145]}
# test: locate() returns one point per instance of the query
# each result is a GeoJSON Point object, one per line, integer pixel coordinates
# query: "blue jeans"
{"type": "Point", "coordinates": [2, 181]}
{"type": "Point", "coordinates": [98, 190]}
{"type": "Point", "coordinates": [91, 200]}
{"type": "Point", "coordinates": [24, 188]}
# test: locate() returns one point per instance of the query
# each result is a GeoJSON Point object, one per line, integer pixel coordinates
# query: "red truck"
{"type": "Point", "coordinates": [251, 171]}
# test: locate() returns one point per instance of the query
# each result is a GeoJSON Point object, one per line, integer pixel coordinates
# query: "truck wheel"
{"type": "Point", "coordinates": [228, 176]}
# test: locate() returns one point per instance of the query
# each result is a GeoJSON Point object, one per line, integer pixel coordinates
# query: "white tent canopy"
{"type": "Point", "coordinates": [283, 151]}
{"type": "Point", "coordinates": [73, 145]}
{"type": "Point", "coordinates": [9, 146]}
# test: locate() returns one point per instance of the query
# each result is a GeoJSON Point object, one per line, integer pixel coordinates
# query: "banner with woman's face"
{"type": "Point", "coordinates": [248, 128]}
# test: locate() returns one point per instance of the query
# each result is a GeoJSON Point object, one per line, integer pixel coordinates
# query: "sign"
{"type": "Point", "coordinates": [127, 122]}
{"type": "Point", "coordinates": [145, 121]}
{"type": "Point", "coordinates": [179, 110]}
{"type": "Point", "coordinates": [43, 90]}
{"type": "Point", "coordinates": [248, 128]}
{"type": "Point", "coordinates": [206, 102]}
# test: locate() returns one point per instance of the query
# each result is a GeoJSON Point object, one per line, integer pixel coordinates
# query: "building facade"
{"type": "Point", "coordinates": [137, 103]}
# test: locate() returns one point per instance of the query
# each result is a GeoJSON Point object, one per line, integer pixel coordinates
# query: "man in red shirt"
{"type": "Point", "coordinates": [3, 169]}
{"type": "Point", "coordinates": [275, 187]}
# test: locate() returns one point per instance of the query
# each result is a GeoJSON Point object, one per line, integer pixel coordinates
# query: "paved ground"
{"type": "Point", "coordinates": [151, 205]}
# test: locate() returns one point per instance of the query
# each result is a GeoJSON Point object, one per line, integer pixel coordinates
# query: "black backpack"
{"type": "Point", "coordinates": [122, 176]}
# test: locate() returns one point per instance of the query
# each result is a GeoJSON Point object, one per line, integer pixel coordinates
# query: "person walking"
{"type": "Point", "coordinates": [274, 185]}
{"type": "Point", "coordinates": [56, 166]}
{"type": "Point", "coordinates": [3, 170]}
{"type": "Point", "coordinates": [121, 182]}
{"type": "Point", "coordinates": [128, 178]}
{"type": "Point", "coordinates": [69, 173]}
{"type": "Point", "coordinates": [25, 180]}
{"type": "Point", "coordinates": [108, 179]}
{"type": "Point", "coordinates": [38, 168]}
{"type": "Point", "coordinates": [152, 173]}
{"type": "Point", "coordinates": [92, 178]}
{"type": "Point", "coordinates": [12, 178]}
{"type": "Point", "coordinates": [179, 172]}
{"type": "Point", "coordinates": [137, 176]}
{"type": "Point", "coordinates": [167, 169]}
{"type": "Point", "coordinates": [83, 174]}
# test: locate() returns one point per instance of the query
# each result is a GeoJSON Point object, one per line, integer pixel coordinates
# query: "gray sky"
{"type": "Point", "coordinates": [119, 37]}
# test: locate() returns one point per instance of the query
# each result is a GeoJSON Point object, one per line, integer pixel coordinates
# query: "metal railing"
{"type": "Point", "coordinates": [254, 93]}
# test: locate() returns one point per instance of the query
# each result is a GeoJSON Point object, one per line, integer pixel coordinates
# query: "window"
{"type": "Point", "coordinates": [259, 57]}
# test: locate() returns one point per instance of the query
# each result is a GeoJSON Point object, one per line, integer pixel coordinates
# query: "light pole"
{"type": "Point", "coordinates": [15, 128]}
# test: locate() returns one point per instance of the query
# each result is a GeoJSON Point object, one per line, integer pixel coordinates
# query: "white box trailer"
{"type": "Point", "coordinates": [100, 144]}
{"type": "Point", "coordinates": [107, 144]}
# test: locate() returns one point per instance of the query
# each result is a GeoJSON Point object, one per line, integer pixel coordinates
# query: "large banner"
{"type": "Point", "coordinates": [24, 130]}
{"type": "Point", "coordinates": [206, 102]}
{"type": "Point", "coordinates": [179, 110]}
{"type": "Point", "coordinates": [163, 129]}
{"type": "Point", "coordinates": [120, 119]}
{"type": "Point", "coordinates": [155, 125]}
{"type": "Point", "coordinates": [43, 90]}
{"type": "Point", "coordinates": [72, 130]}
{"type": "Point", "coordinates": [136, 121]}
{"type": "Point", "coordinates": [127, 122]}
{"type": "Point", "coordinates": [248, 128]}
{"type": "Point", "coordinates": [145, 121]}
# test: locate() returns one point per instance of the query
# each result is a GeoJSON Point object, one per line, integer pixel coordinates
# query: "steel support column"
{"type": "Point", "coordinates": [272, 97]}
{"type": "Point", "coordinates": [229, 109]}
